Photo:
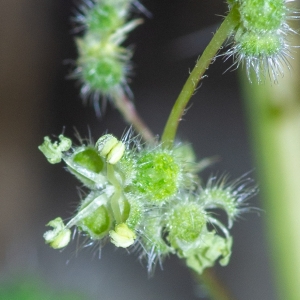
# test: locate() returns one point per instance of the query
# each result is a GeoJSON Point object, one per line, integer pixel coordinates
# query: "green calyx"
{"type": "Point", "coordinates": [262, 15]}
{"type": "Point", "coordinates": [97, 222]}
{"type": "Point", "coordinates": [103, 73]}
{"type": "Point", "coordinates": [87, 166]}
{"type": "Point", "coordinates": [259, 45]}
{"type": "Point", "coordinates": [185, 223]}
{"type": "Point", "coordinates": [89, 159]}
{"type": "Point", "coordinates": [157, 175]}
{"type": "Point", "coordinates": [103, 18]}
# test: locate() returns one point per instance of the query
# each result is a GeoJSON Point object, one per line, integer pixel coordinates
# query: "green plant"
{"type": "Point", "coordinates": [148, 195]}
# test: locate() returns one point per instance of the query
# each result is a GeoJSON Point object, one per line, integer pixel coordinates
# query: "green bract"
{"type": "Point", "coordinates": [98, 222]}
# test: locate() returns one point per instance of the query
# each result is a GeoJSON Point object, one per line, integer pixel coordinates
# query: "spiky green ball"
{"type": "Point", "coordinates": [185, 223]}
{"type": "Point", "coordinates": [103, 18]}
{"type": "Point", "coordinates": [103, 73]}
{"type": "Point", "coordinates": [157, 174]}
{"type": "Point", "coordinates": [262, 15]}
{"type": "Point", "coordinates": [259, 45]}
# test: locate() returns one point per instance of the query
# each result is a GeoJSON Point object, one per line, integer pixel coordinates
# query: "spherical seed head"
{"type": "Point", "coordinates": [103, 18]}
{"type": "Point", "coordinates": [185, 223]}
{"type": "Point", "coordinates": [260, 45]}
{"type": "Point", "coordinates": [104, 73]}
{"type": "Point", "coordinates": [157, 176]}
{"type": "Point", "coordinates": [265, 53]}
{"type": "Point", "coordinates": [262, 15]}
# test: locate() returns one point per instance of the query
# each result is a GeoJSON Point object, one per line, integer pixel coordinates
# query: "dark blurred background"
{"type": "Point", "coordinates": [36, 100]}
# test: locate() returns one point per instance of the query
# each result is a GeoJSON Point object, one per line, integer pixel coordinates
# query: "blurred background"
{"type": "Point", "coordinates": [36, 46]}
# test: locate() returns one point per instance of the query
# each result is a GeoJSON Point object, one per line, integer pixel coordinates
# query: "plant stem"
{"type": "Point", "coordinates": [228, 25]}
{"type": "Point", "coordinates": [127, 109]}
{"type": "Point", "coordinates": [274, 118]}
{"type": "Point", "coordinates": [215, 288]}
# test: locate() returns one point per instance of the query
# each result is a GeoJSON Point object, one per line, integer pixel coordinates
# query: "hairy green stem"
{"type": "Point", "coordinates": [228, 25]}
{"type": "Point", "coordinates": [131, 116]}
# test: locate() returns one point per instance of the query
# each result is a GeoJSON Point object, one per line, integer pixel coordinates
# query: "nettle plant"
{"type": "Point", "coordinates": [144, 193]}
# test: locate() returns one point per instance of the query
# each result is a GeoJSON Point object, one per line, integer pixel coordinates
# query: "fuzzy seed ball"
{"type": "Point", "coordinates": [185, 223]}
{"type": "Point", "coordinates": [104, 73]}
{"type": "Point", "coordinates": [262, 15]}
{"type": "Point", "coordinates": [156, 176]}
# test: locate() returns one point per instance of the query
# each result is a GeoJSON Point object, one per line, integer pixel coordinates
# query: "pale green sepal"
{"type": "Point", "coordinates": [98, 219]}
{"type": "Point", "coordinates": [213, 248]}
{"type": "Point", "coordinates": [60, 236]}
{"type": "Point", "coordinates": [122, 236]}
{"type": "Point", "coordinates": [54, 151]}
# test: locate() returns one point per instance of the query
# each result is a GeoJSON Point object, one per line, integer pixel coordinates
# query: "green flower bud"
{"type": "Point", "coordinates": [260, 40]}
{"type": "Point", "coordinates": [157, 176]}
{"type": "Point", "coordinates": [185, 223]}
{"type": "Point", "coordinates": [260, 46]}
{"type": "Point", "coordinates": [104, 73]}
{"type": "Point", "coordinates": [103, 18]}
{"type": "Point", "coordinates": [262, 15]}
{"type": "Point", "coordinates": [60, 236]}
{"type": "Point", "coordinates": [54, 151]}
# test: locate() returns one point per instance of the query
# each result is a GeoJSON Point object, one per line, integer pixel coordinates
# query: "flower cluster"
{"type": "Point", "coordinates": [147, 198]}
{"type": "Point", "coordinates": [103, 63]}
{"type": "Point", "coordinates": [261, 38]}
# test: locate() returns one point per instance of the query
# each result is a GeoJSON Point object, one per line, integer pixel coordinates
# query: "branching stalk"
{"type": "Point", "coordinates": [131, 116]}
{"type": "Point", "coordinates": [228, 25]}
